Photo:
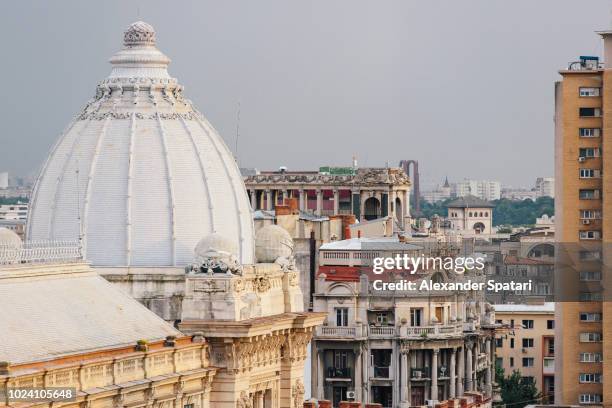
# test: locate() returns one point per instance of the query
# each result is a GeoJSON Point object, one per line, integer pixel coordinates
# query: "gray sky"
{"type": "Point", "coordinates": [463, 86]}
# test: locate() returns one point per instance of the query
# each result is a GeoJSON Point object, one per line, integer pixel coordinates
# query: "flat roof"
{"type": "Point", "coordinates": [546, 307]}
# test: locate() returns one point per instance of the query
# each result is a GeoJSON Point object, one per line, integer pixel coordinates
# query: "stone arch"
{"type": "Point", "coordinates": [371, 208]}
{"type": "Point", "coordinates": [399, 210]}
{"type": "Point", "coordinates": [479, 227]}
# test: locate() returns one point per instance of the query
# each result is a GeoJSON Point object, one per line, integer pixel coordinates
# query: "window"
{"type": "Point", "coordinates": [590, 297]}
{"type": "Point", "coordinates": [588, 152]}
{"type": "Point", "coordinates": [590, 112]}
{"type": "Point", "coordinates": [589, 235]}
{"type": "Point", "coordinates": [590, 214]}
{"type": "Point", "coordinates": [590, 276]}
{"type": "Point", "coordinates": [527, 324]}
{"type": "Point", "coordinates": [591, 357]}
{"type": "Point", "coordinates": [415, 316]}
{"type": "Point", "coordinates": [511, 361]}
{"type": "Point", "coordinates": [589, 132]}
{"type": "Point", "coordinates": [499, 362]}
{"type": "Point", "coordinates": [528, 361]}
{"type": "Point", "coordinates": [589, 173]}
{"type": "Point", "coordinates": [341, 316]}
{"type": "Point", "coordinates": [527, 343]}
{"type": "Point", "coordinates": [590, 317]}
{"type": "Point", "coordinates": [588, 91]}
{"type": "Point", "coordinates": [382, 318]}
{"type": "Point", "coordinates": [550, 324]}
{"type": "Point", "coordinates": [589, 255]}
{"type": "Point", "coordinates": [340, 359]}
{"type": "Point", "coordinates": [188, 406]}
{"type": "Point", "coordinates": [590, 337]}
{"type": "Point", "coordinates": [551, 346]}
{"type": "Point", "coordinates": [590, 398]}
{"type": "Point", "coordinates": [588, 194]}
{"type": "Point", "coordinates": [470, 214]}
{"type": "Point", "coordinates": [499, 342]}
{"type": "Point", "coordinates": [588, 378]}
{"type": "Point", "coordinates": [512, 323]}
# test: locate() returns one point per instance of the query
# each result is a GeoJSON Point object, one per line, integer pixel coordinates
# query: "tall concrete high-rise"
{"type": "Point", "coordinates": [583, 208]}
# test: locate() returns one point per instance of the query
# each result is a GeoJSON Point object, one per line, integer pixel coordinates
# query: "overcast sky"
{"type": "Point", "coordinates": [464, 87]}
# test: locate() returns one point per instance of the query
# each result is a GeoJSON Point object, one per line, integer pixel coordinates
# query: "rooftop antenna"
{"type": "Point", "coordinates": [237, 130]}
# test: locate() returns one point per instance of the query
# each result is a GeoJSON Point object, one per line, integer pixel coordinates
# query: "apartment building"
{"type": "Point", "coordinates": [583, 116]}
{"type": "Point", "coordinates": [396, 347]}
{"type": "Point", "coordinates": [528, 344]}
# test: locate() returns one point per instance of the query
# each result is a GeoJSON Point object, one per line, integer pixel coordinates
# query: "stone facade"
{"type": "Point", "coordinates": [368, 193]}
{"type": "Point", "coordinates": [397, 348]}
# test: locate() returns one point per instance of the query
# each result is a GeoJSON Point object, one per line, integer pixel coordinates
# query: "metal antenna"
{"type": "Point", "coordinates": [237, 130]}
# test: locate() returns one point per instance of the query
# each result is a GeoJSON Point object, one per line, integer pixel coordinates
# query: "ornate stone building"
{"type": "Point", "coordinates": [397, 347]}
{"type": "Point", "coordinates": [152, 195]}
{"type": "Point", "coordinates": [368, 193]}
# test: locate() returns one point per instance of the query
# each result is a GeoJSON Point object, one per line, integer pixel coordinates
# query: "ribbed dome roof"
{"type": "Point", "coordinates": [140, 174]}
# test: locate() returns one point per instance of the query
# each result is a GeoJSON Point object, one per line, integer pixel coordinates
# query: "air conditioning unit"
{"type": "Point", "coordinates": [581, 159]}
{"type": "Point", "coordinates": [586, 222]}
{"type": "Point", "coordinates": [350, 395]}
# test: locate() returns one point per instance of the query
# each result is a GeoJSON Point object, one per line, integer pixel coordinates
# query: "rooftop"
{"type": "Point", "coordinates": [358, 244]}
{"type": "Point", "coordinates": [546, 307]}
{"type": "Point", "coordinates": [63, 309]}
{"type": "Point", "coordinates": [469, 202]}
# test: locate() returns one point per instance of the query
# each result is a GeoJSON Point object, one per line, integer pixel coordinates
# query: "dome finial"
{"type": "Point", "coordinates": [139, 33]}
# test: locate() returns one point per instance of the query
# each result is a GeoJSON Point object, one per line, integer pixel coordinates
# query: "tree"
{"type": "Point", "coordinates": [516, 391]}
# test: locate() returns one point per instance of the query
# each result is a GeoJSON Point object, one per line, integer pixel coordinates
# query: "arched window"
{"type": "Point", "coordinates": [486, 213]}
{"type": "Point", "coordinates": [470, 214]}
{"type": "Point", "coordinates": [481, 213]}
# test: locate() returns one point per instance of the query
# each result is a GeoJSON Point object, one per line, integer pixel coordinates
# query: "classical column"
{"type": "Point", "coordinates": [336, 201]}
{"type": "Point", "coordinates": [259, 399]}
{"type": "Point", "coordinates": [320, 374]}
{"type": "Point", "coordinates": [404, 377]}
{"type": "Point", "coordinates": [302, 200]}
{"type": "Point", "coordinates": [468, 369]}
{"type": "Point", "coordinates": [358, 374]}
{"type": "Point", "coordinates": [365, 389]}
{"type": "Point", "coordinates": [269, 200]}
{"type": "Point", "coordinates": [362, 199]}
{"type": "Point", "coordinates": [453, 374]}
{"type": "Point", "coordinates": [434, 374]}
{"type": "Point", "coordinates": [253, 194]}
{"type": "Point", "coordinates": [319, 201]}
{"type": "Point", "coordinates": [407, 203]}
{"type": "Point", "coordinates": [460, 377]}
{"type": "Point", "coordinates": [488, 384]}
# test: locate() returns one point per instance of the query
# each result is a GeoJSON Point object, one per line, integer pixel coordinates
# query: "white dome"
{"type": "Point", "coordinates": [271, 243]}
{"type": "Point", "coordinates": [140, 174]}
{"type": "Point", "coordinates": [9, 239]}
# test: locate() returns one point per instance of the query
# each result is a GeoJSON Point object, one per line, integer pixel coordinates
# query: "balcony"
{"type": "Point", "coordinates": [381, 372]}
{"type": "Point", "coordinates": [548, 366]}
{"type": "Point", "coordinates": [482, 362]}
{"type": "Point", "coordinates": [382, 331]}
{"type": "Point", "coordinates": [339, 332]}
{"type": "Point", "coordinates": [339, 373]}
{"type": "Point", "coordinates": [422, 373]}
{"type": "Point", "coordinates": [436, 331]}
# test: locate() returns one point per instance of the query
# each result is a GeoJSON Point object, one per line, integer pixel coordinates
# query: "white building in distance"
{"type": "Point", "coordinates": [485, 190]}
{"type": "Point", "coordinates": [4, 180]}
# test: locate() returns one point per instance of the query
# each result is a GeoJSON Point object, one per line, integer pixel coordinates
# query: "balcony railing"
{"type": "Point", "coordinates": [342, 332]}
{"type": "Point", "coordinates": [548, 367]}
{"type": "Point", "coordinates": [420, 373]}
{"type": "Point", "coordinates": [382, 331]}
{"type": "Point", "coordinates": [432, 331]}
{"type": "Point", "coordinates": [381, 372]}
{"type": "Point", "coordinates": [41, 252]}
{"type": "Point", "coordinates": [482, 361]}
{"type": "Point", "coordinates": [335, 372]}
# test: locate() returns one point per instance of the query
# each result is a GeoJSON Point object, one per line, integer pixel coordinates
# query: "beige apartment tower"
{"type": "Point", "coordinates": [583, 211]}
